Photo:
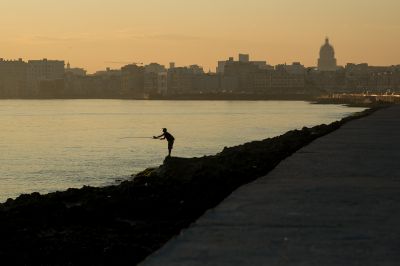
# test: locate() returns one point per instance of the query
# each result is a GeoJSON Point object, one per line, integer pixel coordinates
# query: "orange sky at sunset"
{"type": "Point", "coordinates": [95, 34]}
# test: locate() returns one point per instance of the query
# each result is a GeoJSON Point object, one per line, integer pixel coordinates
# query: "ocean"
{"type": "Point", "coordinates": [51, 145]}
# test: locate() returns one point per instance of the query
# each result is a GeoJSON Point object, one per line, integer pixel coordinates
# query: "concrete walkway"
{"type": "Point", "coordinates": [334, 202]}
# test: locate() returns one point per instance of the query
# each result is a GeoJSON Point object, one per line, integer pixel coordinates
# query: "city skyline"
{"type": "Point", "coordinates": [244, 57]}
{"type": "Point", "coordinates": [95, 35]}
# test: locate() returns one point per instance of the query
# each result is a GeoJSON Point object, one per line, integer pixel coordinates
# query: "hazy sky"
{"type": "Point", "coordinates": [95, 34]}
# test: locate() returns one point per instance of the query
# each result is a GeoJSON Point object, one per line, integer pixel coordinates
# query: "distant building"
{"type": "Point", "coordinates": [162, 80]}
{"type": "Point", "coordinates": [229, 83]}
{"type": "Point", "coordinates": [357, 77]}
{"type": "Point", "coordinates": [197, 70]}
{"type": "Point", "coordinates": [180, 80]}
{"type": "Point", "coordinates": [362, 78]}
{"type": "Point", "coordinates": [154, 68]}
{"type": "Point", "coordinates": [243, 72]}
{"type": "Point", "coordinates": [282, 79]}
{"type": "Point", "coordinates": [244, 58]}
{"type": "Point", "coordinates": [132, 77]}
{"type": "Point", "coordinates": [211, 83]}
{"type": "Point", "coordinates": [13, 78]}
{"type": "Point", "coordinates": [295, 68]}
{"type": "Point", "coordinates": [155, 79]}
{"type": "Point", "coordinates": [108, 72]}
{"type": "Point", "coordinates": [44, 71]}
{"type": "Point", "coordinates": [327, 60]}
{"type": "Point", "coordinates": [277, 81]}
{"type": "Point", "coordinates": [220, 67]}
{"type": "Point", "coordinates": [262, 65]}
{"type": "Point", "coordinates": [75, 71]}
{"type": "Point", "coordinates": [102, 84]}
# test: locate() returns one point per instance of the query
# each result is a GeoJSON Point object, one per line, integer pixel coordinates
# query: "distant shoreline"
{"type": "Point", "coordinates": [321, 98]}
{"type": "Point", "coordinates": [314, 99]}
{"type": "Point", "coordinates": [187, 97]}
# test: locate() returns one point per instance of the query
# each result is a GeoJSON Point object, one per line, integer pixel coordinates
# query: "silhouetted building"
{"type": "Point", "coordinates": [221, 65]}
{"type": "Point", "coordinates": [384, 79]}
{"type": "Point", "coordinates": [52, 88]}
{"type": "Point", "coordinates": [281, 80]}
{"type": "Point", "coordinates": [185, 79]}
{"type": "Point", "coordinates": [357, 77]}
{"type": "Point", "coordinates": [75, 71]}
{"type": "Point", "coordinates": [244, 58]}
{"type": "Point", "coordinates": [329, 81]}
{"type": "Point", "coordinates": [44, 71]}
{"type": "Point", "coordinates": [277, 81]}
{"type": "Point", "coordinates": [211, 83]}
{"type": "Point", "coordinates": [102, 84]}
{"type": "Point", "coordinates": [162, 83]}
{"type": "Point", "coordinates": [13, 78]}
{"type": "Point", "coordinates": [132, 80]}
{"type": "Point", "coordinates": [48, 78]}
{"type": "Point", "coordinates": [295, 68]}
{"type": "Point", "coordinates": [154, 68]}
{"type": "Point", "coordinates": [155, 79]}
{"type": "Point", "coordinates": [108, 72]}
{"type": "Point", "coordinates": [196, 69]}
{"type": "Point", "coordinates": [327, 60]}
{"type": "Point", "coordinates": [229, 83]}
{"type": "Point", "coordinates": [247, 76]}
{"type": "Point", "coordinates": [262, 65]}
{"type": "Point", "coordinates": [243, 72]}
{"type": "Point", "coordinates": [180, 80]}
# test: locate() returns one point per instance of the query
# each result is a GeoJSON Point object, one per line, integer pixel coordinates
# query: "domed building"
{"type": "Point", "coordinates": [327, 60]}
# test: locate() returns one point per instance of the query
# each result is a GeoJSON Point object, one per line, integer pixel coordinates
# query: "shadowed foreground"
{"type": "Point", "coordinates": [121, 225]}
{"type": "Point", "coordinates": [334, 202]}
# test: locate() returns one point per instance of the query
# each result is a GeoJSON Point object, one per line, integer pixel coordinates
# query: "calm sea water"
{"type": "Point", "coordinates": [50, 145]}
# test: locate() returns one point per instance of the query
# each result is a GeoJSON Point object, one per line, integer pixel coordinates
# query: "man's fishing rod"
{"type": "Point", "coordinates": [137, 138]}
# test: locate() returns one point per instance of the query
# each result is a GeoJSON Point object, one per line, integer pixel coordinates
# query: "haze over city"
{"type": "Point", "coordinates": [99, 34]}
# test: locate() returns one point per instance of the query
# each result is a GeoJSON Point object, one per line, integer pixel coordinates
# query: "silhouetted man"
{"type": "Point", "coordinates": [166, 135]}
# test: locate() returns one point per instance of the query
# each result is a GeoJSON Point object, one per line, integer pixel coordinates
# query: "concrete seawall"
{"type": "Point", "coordinates": [334, 202]}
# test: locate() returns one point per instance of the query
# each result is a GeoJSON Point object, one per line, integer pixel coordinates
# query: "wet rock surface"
{"type": "Point", "coordinates": [121, 225]}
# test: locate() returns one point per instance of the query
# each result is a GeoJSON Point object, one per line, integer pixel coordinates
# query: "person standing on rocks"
{"type": "Point", "coordinates": [166, 135]}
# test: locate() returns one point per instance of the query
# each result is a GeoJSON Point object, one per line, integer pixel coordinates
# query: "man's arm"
{"type": "Point", "coordinates": [159, 137]}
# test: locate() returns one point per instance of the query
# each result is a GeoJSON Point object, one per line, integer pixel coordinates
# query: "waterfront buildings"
{"type": "Point", "coordinates": [259, 77]}
{"type": "Point", "coordinates": [362, 77]}
{"type": "Point", "coordinates": [48, 79]}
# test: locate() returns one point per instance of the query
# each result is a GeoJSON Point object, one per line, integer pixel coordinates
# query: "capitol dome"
{"type": "Point", "coordinates": [327, 60]}
{"type": "Point", "coordinates": [327, 49]}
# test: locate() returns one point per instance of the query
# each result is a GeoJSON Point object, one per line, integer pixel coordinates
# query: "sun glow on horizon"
{"type": "Point", "coordinates": [98, 34]}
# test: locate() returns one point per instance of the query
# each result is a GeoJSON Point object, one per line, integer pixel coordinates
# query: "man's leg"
{"type": "Point", "coordinates": [170, 145]}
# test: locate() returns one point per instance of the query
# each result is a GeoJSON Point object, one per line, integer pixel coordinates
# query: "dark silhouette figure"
{"type": "Point", "coordinates": [166, 135]}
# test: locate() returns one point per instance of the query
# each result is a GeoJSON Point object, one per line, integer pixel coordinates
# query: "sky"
{"type": "Point", "coordinates": [95, 34]}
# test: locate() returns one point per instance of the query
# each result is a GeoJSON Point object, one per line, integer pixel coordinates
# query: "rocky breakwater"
{"type": "Point", "coordinates": [121, 225]}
